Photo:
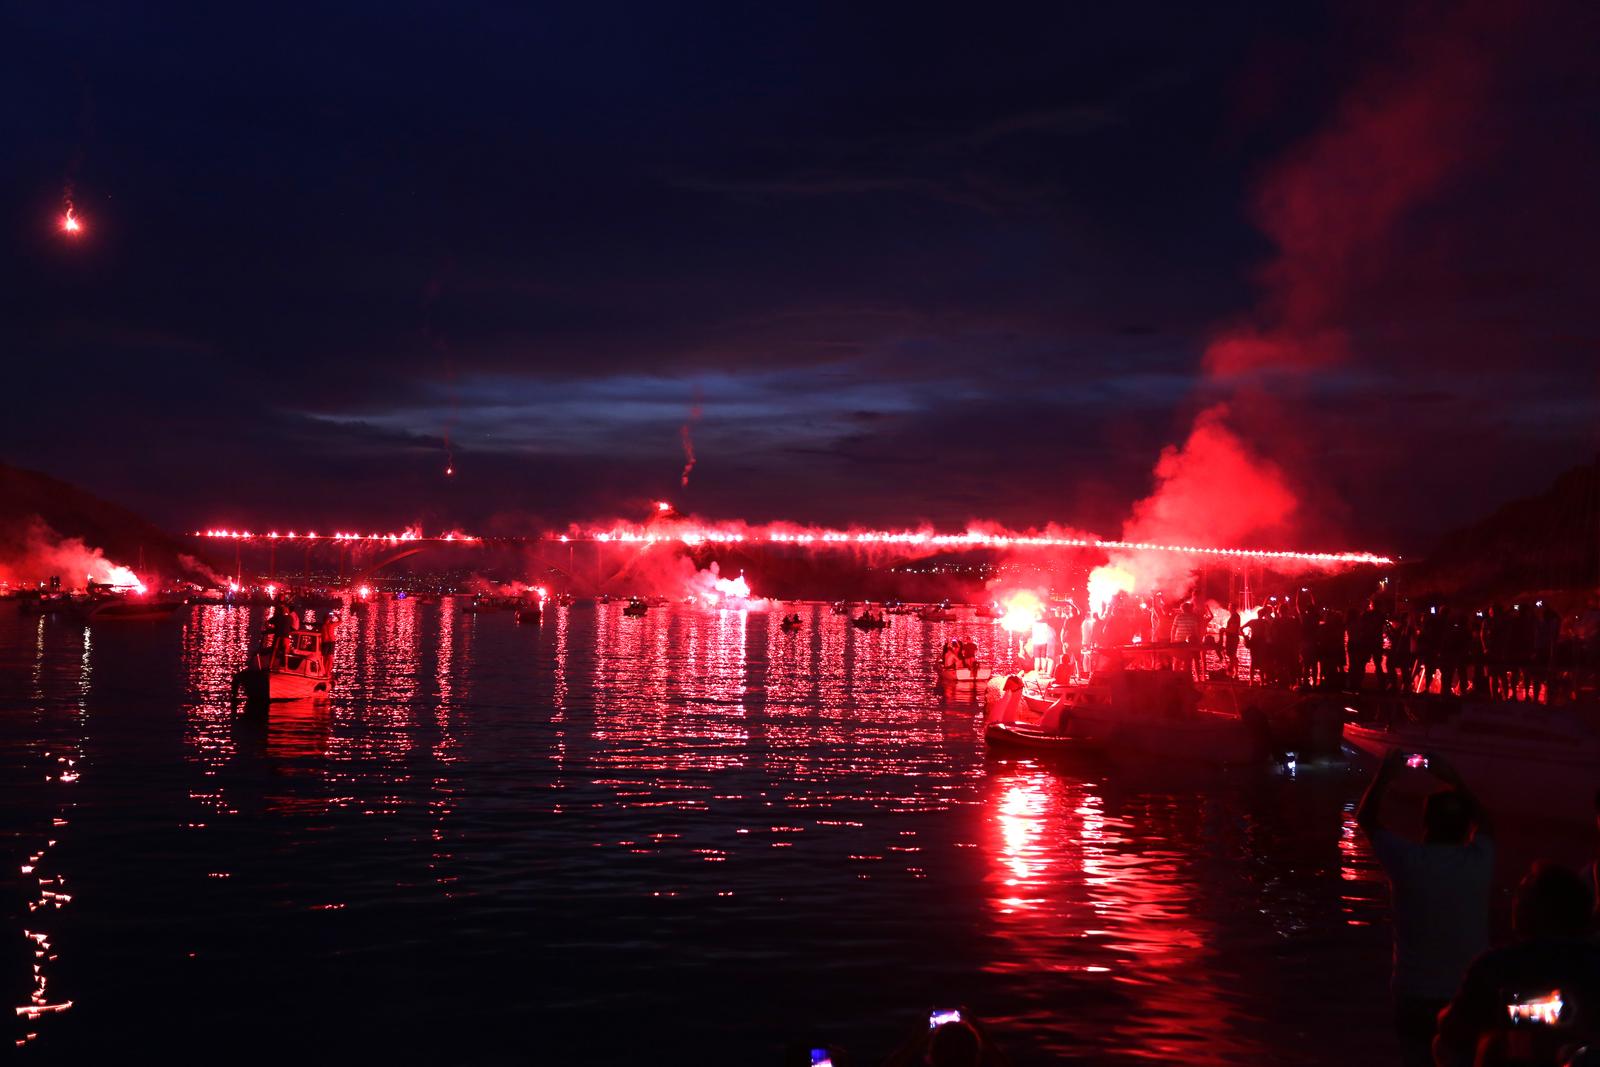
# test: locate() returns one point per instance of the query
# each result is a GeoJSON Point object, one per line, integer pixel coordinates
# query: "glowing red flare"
{"type": "Point", "coordinates": [1023, 609]}
{"type": "Point", "coordinates": [733, 586]}
{"type": "Point", "coordinates": [70, 223]}
{"type": "Point", "coordinates": [1105, 583]}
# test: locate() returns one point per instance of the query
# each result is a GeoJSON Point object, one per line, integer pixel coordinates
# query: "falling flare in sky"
{"type": "Point", "coordinates": [71, 225]}
{"type": "Point", "coordinates": [688, 439]}
{"type": "Point", "coordinates": [688, 455]}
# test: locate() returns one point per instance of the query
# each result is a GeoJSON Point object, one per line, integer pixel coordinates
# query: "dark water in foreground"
{"type": "Point", "coordinates": [684, 838]}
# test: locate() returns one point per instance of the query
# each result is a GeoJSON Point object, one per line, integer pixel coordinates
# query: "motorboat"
{"type": "Point", "coordinates": [986, 611]}
{"type": "Point", "coordinates": [1134, 708]}
{"type": "Point", "coordinates": [977, 674]}
{"type": "Point", "coordinates": [636, 608]}
{"type": "Point", "coordinates": [530, 612]}
{"type": "Point", "coordinates": [132, 609]}
{"type": "Point", "coordinates": [1021, 737]}
{"type": "Point", "coordinates": [482, 604]}
{"type": "Point", "coordinates": [44, 604]}
{"type": "Point", "coordinates": [937, 613]}
{"type": "Point", "coordinates": [791, 623]}
{"type": "Point", "coordinates": [1517, 756]}
{"type": "Point", "coordinates": [289, 668]}
{"type": "Point", "coordinates": [841, 607]}
{"type": "Point", "coordinates": [869, 622]}
{"type": "Point", "coordinates": [1308, 724]}
{"type": "Point", "coordinates": [109, 604]}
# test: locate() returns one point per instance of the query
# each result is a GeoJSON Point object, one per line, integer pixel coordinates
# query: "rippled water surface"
{"type": "Point", "coordinates": [684, 838]}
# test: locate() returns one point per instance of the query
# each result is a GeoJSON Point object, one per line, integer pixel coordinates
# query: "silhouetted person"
{"type": "Point", "coordinates": [1440, 894]}
{"type": "Point", "coordinates": [1536, 1001]}
{"type": "Point", "coordinates": [1232, 633]}
{"type": "Point", "coordinates": [954, 1044]}
{"type": "Point", "coordinates": [330, 634]}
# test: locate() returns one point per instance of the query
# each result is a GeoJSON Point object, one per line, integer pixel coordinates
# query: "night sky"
{"type": "Point", "coordinates": [886, 264]}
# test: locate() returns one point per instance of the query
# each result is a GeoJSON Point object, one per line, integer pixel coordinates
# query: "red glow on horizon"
{"type": "Point", "coordinates": [694, 534]}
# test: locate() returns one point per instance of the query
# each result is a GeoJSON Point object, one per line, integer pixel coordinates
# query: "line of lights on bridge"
{"type": "Point", "coordinates": [694, 535]}
{"type": "Point", "coordinates": [374, 538]}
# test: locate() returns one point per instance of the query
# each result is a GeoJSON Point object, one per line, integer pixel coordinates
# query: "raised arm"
{"type": "Point", "coordinates": [1372, 799]}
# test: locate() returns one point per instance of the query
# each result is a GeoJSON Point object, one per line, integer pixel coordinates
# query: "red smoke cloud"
{"type": "Point", "coordinates": [32, 552]}
{"type": "Point", "coordinates": [1213, 489]}
{"type": "Point", "coordinates": [1332, 206]}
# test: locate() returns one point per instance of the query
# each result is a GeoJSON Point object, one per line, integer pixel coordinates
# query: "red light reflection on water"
{"type": "Point", "coordinates": [1072, 884]}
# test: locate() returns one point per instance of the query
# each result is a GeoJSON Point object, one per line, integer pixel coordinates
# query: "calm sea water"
{"type": "Point", "coordinates": [684, 838]}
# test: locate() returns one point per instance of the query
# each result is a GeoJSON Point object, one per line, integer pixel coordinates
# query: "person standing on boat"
{"type": "Point", "coordinates": [1440, 891]}
{"type": "Point", "coordinates": [1232, 633]}
{"type": "Point", "coordinates": [1043, 640]}
{"type": "Point", "coordinates": [330, 634]}
{"type": "Point", "coordinates": [1072, 639]}
{"type": "Point", "coordinates": [279, 627]}
{"type": "Point", "coordinates": [1186, 632]}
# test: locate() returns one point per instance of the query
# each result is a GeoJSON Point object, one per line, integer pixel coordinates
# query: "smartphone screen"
{"type": "Point", "coordinates": [1538, 1009]}
{"type": "Point", "coordinates": [820, 1058]}
{"type": "Point", "coordinates": [938, 1018]}
{"type": "Point", "coordinates": [1417, 761]}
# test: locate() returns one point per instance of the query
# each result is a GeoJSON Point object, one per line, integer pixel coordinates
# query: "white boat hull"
{"type": "Point", "coordinates": [1528, 759]}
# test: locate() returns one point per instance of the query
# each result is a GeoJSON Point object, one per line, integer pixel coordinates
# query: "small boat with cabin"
{"type": "Point", "coordinates": [1134, 704]}
{"type": "Point", "coordinates": [291, 667]}
{"type": "Point", "coordinates": [113, 604]}
{"type": "Point", "coordinates": [977, 674]}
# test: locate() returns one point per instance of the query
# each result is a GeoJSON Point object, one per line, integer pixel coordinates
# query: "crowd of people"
{"type": "Point", "coordinates": [1459, 1000]}
{"type": "Point", "coordinates": [1501, 652]}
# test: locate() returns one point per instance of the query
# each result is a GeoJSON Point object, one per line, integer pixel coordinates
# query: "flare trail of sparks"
{"type": "Point", "coordinates": [693, 535]}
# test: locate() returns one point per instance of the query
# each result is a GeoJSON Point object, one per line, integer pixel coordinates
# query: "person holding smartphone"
{"type": "Point", "coordinates": [1535, 1001]}
{"type": "Point", "coordinates": [1440, 894]}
